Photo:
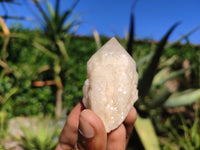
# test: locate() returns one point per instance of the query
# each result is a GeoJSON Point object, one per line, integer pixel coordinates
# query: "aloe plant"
{"type": "Point", "coordinates": [147, 78]}
{"type": "Point", "coordinates": [145, 85]}
{"type": "Point", "coordinates": [165, 98]}
{"type": "Point", "coordinates": [55, 42]}
{"type": "Point", "coordinates": [40, 135]}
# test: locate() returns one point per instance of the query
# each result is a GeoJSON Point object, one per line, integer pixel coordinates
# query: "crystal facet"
{"type": "Point", "coordinates": [110, 89]}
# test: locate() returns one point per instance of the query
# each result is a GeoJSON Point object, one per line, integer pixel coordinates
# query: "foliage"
{"type": "Point", "coordinates": [2, 148]}
{"type": "Point", "coordinates": [19, 97]}
{"type": "Point", "coordinates": [146, 81]}
{"type": "Point", "coordinates": [28, 65]}
{"type": "Point", "coordinates": [184, 136]}
{"type": "Point", "coordinates": [15, 87]}
{"type": "Point", "coordinates": [144, 127]}
{"type": "Point", "coordinates": [153, 96]}
{"type": "Point", "coordinates": [144, 86]}
{"type": "Point", "coordinates": [55, 41]}
{"type": "Point", "coordinates": [3, 124]}
{"type": "Point", "coordinates": [42, 135]}
{"type": "Point", "coordinates": [53, 53]}
{"type": "Point", "coordinates": [183, 98]}
{"type": "Point", "coordinates": [81, 49]}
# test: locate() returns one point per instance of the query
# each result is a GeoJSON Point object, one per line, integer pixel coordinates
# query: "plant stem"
{"type": "Point", "coordinates": [58, 110]}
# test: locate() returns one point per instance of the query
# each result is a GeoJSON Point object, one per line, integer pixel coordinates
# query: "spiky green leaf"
{"type": "Point", "coordinates": [147, 78]}
{"type": "Point", "coordinates": [161, 79]}
{"type": "Point", "coordinates": [147, 134]}
{"type": "Point", "coordinates": [184, 98]}
{"type": "Point", "coordinates": [50, 9]}
{"type": "Point", "coordinates": [67, 13]}
{"type": "Point", "coordinates": [131, 35]}
{"type": "Point", "coordinates": [131, 30]}
{"type": "Point", "coordinates": [159, 100]}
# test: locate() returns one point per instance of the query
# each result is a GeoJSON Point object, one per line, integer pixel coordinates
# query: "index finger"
{"type": "Point", "coordinates": [129, 122]}
{"type": "Point", "coordinates": [69, 134]}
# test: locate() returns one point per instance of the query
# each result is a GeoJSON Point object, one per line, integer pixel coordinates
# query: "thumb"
{"type": "Point", "coordinates": [92, 133]}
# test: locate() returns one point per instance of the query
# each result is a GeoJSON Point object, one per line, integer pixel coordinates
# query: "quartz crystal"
{"type": "Point", "coordinates": [110, 89]}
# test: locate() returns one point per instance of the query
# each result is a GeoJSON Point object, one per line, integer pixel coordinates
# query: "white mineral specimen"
{"type": "Point", "coordinates": [111, 87]}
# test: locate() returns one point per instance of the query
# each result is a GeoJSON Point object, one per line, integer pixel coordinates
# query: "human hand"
{"type": "Point", "coordinates": [84, 130]}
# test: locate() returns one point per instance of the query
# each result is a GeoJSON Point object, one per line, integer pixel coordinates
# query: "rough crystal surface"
{"type": "Point", "coordinates": [110, 89]}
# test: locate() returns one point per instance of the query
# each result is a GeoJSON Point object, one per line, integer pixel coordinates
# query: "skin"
{"type": "Point", "coordinates": [72, 139]}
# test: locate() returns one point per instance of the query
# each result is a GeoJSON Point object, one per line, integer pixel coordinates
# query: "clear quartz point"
{"type": "Point", "coordinates": [110, 89]}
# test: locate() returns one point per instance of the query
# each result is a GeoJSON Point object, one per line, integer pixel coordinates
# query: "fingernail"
{"type": "Point", "coordinates": [85, 129]}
